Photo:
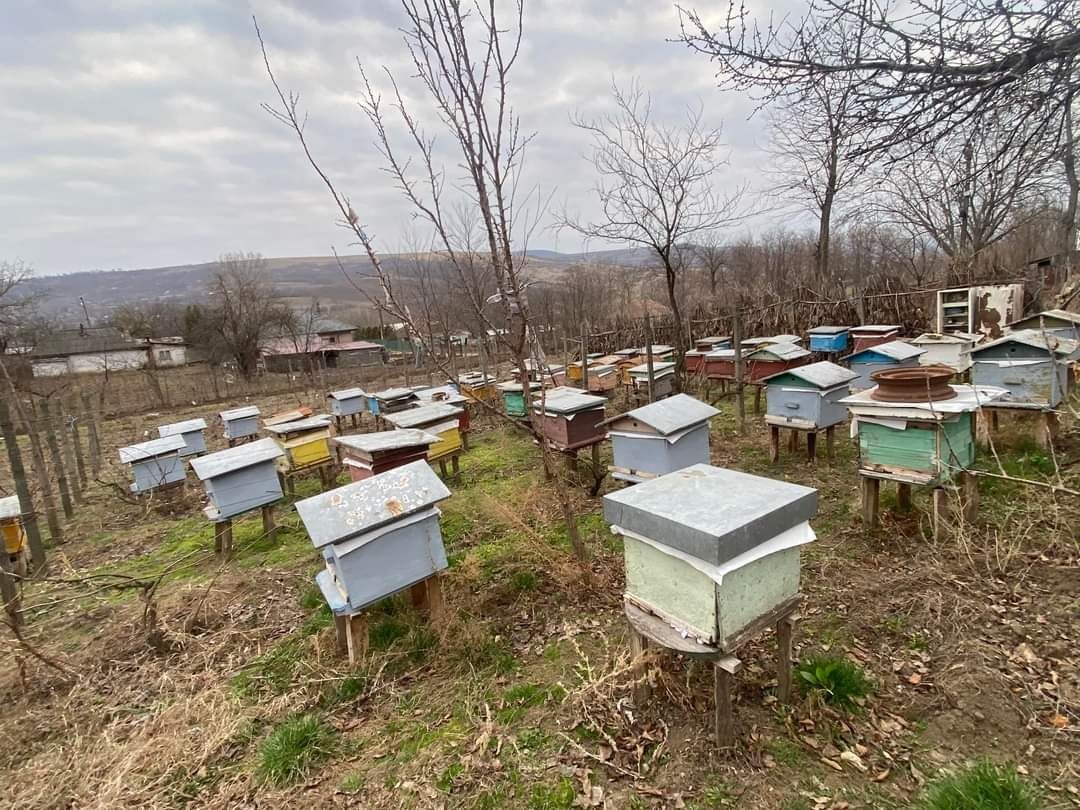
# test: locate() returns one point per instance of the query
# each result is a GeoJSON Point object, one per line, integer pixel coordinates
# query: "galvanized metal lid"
{"type": "Point", "coordinates": [562, 401]}
{"type": "Point", "coordinates": [821, 375]}
{"type": "Point", "coordinates": [9, 507]}
{"type": "Point", "coordinates": [182, 427]}
{"type": "Point", "coordinates": [657, 348]}
{"type": "Point", "coordinates": [342, 513]}
{"type": "Point", "coordinates": [669, 415]}
{"type": "Point", "coordinates": [387, 440]}
{"type": "Point", "coordinates": [828, 330]}
{"type": "Point", "coordinates": [152, 448]}
{"type": "Point", "coordinates": [300, 425]}
{"type": "Point", "coordinates": [934, 338]}
{"type": "Point", "coordinates": [1035, 339]}
{"type": "Point", "coordinates": [424, 415]}
{"type": "Point", "coordinates": [658, 368]}
{"type": "Point", "coordinates": [236, 458]}
{"type": "Point", "coordinates": [346, 393]}
{"type": "Point", "coordinates": [391, 394]}
{"type": "Point", "coordinates": [442, 393]}
{"type": "Point", "coordinates": [778, 351]}
{"type": "Point", "coordinates": [517, 388]}
{"type": "Point", "coordinates": [894, 350]}
{"type": "Point", "coordinates": [709, 512]}
{"type": "Point", "coordinates": [876, 328]}
{"type": "Point", "coordinates": [787, 338]}
{"type": "Point", "coordinates": [239, 413]}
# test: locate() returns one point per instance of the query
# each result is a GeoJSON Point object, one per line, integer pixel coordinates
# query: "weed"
{"type": "Point", "coordinates": [352, 783]}
{"type": "Point", "coordinates": [981, 786]}
{"type": "Point", "coordinates": [523, 697]}
{"type": "Point", "coordinates": [450, 774]}
{"type": "Point", "coordinates": [834, 680]}
{"type": "Point", "coordinates": [532, 739]}
{"type": "Point", "coordinates": [294, 749]}
{"type": "Point", "coordinates": [311, 597]}
{"type": "Point", "coordinates": [553, 797]}
{"type": "Point", "coordinates": [421, 643]}
{"type": "Point", "coordinates": [715, 795]}
{"type": "Point", "coordinates": [346, 690]}
{"type": "Point", "coordinates": [386, 631]}
{"type": "Point", "coordinates": [785, 752]}
{"type": "Point", "coordinates": [523, 581]}
{"type": "Point", "coordinates": [273, 670]}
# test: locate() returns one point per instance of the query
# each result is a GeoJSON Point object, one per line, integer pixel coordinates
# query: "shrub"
{"type": "Point", "coordinates": [294, 748]}
{"type": "Point", "coordinates": [981, 786]}
{"type": "Point", "coordinates": [833, 680]}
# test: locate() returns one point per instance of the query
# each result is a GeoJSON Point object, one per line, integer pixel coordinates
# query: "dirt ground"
{"type": "Point", "coordinates": [151, 675]}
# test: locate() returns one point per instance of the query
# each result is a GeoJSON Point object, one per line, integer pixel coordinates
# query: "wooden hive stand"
{"type": "Point", "coordinates": [327, 471]}
{"type": "Point", "coordinates": [870, 486]}
{"type": "Point", "coordinates": [1044, 422]}
{"type": "Point", "coordinates": [352, 628]}
{"type": "Point", "coordinates": [793, 440]}
{"type": "Point", "coordinates": [646, 629]}
{"type": "Point", "coordinates": [223, 531]}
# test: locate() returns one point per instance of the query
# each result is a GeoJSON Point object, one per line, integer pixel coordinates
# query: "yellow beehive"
{"type": "Point", "coordinates": [306, 442]}
{"type": "Point", "coordinates": [438, 418]}
{"type": "Point", "coordinates": [11, 527]}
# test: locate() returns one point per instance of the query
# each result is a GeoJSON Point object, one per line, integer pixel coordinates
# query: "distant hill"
{"type": "Point", "coordinates": [298, 277]}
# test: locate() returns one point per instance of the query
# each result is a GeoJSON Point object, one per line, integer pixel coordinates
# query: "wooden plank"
{"type": "Point", "coordinates": [724, 720]}
{"type": "Point", "coordinates": [870, 492]}
{"type": "Point", "coordinates": [639, 645]}
{"type": "Point", "coordinates": [356, 634]}
{"type": "Point", "coordinates": [664, 635]}
{"type": "Point", "coordinates": [784, 631]}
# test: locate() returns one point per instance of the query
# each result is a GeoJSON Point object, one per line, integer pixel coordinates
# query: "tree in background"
{"type": "Point", "coordinates": [656, 188]}
{"type": "Point", "coordinates": [18, 306]}
{"type": "Point", "coordinates": [151, 319]}
{"type": "Point", "coordinates": [243, 310]}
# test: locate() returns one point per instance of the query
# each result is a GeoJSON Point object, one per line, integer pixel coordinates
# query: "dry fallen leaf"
{"type": "Point", "coordinates": [881, 776]}
{"type": "Point", "coordinates": [915, 679]}
{"type": "Point", "coordinates": [854, 760]}
{"type": "Point", "coordinates": [832, 763]}
{"type": "Point", "coordinates": [1059, 721]}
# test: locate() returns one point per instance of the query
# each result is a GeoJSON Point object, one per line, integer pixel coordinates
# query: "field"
{"type": "Point", "coordinates": [201, 684]}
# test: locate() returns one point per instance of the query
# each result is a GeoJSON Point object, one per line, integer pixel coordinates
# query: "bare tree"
{"type": "Point", "coordinates": [149, 319]}
{"type": "Point", "coordinates": [656, 187]}
{"type": "Point", "coordinates": [1072, 181]}
{"type": "Point", "coordinates": [17, 304]}
{"type": "Point", "coordinates": [244, 309]}
{"type": "Point", "coordinates": [922, 70]}
{"type": "Point", "coordinates": [711, 255]}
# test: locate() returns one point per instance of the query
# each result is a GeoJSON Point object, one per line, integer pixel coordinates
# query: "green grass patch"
{"type": "Point", "coordinates": [273, 671]}
{"type": "Point", "coordinates": [294, 749]}
{"type": "Point", "coordinates": [559, 796]}
{"type": "Point", "coordinates": [386, 631]}
{"type": "Point", "coordinates": [833, 680]}
{"type": "Point", "coordinates": [523, 581]}
{"type": "Point", "coordinates": [980, 786]}
{"type": "Point", "coordinates": [519, 699]}
{"type": "Point", "coordinates": [347, 689]}
{"type": "Point", "coordinates": [785, 752]}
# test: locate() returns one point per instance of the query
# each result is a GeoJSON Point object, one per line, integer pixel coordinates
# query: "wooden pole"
{"type": "Point", "coordinates": [69, 455]}
{"type": "Point", "coordinates": [22, 488]}
{"type": "Point", "coordinates": [9, 591]}
{"type": "Point", "coordinates": [584, 360]}
{"type": "Point", "coordinates": [736, 342]}
{"type": "Point", "coordinates": [76, 444]}
{"type": "Point", "coordinates": [648, 353]}
{"type": "Point", "coordinates": [57, 460]}
{"type": "Point", "coordinates": [41, 470]}
{"type": "Point", "coordinates": [92, 433]}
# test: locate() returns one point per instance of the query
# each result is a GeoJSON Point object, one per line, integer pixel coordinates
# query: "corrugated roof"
{"type": "Point", "coordinates": [236, 458]}
{"type": "Point", "coordinates": [362, 506]}
{"type": "Point", "coordinates": [670, 415]}
{"type": "Point", "coordinates": [9, 507]}
{"type": "Point", "coordinates": [346, 393]}
{"type": "Point", "coordinates": [1034, 338]}
{"type": "Point", "coordinates": [239, 413]}
{"type": "Point", "coordinates": [316, 422]}
{"type": "Point", "coordinates": [187, 426]}
{"type": "Point", "coordinates": [424, 415]}
{"type": "Point", "coordinates": [781, 351]}
{"type": "Point", "coordinates": [323, 324]}
{"type": "Point", "coordinates": [823, 374]}
{"type": "Point", "coordinates": [387, 440]}
{"type": "Point", "coordinates": [351, 345]}
{"type": "Point", "coordinates": [152, 448]}
{"type": "Point", "coordinates": [894, 350]}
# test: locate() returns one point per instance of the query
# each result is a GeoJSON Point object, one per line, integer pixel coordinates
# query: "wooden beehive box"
{"type": "Point", "coordinates": [712, 343]}
{"type": "Point", "coordinates": [663, 378]}
{"type": "Point", "coordinates": [239, 479]}
{"type": "Point", "coordinates": [918, 442]}
{"type": "Point", "coordinates": [829, 338]}
{"type": "Point", "coordinates": [808, 397]}
{"type": "Point", "coordinates": [306, 442]}
{"type": "Point", "coordinates": [155, 463]}
{"type": "Point", "coordinates": [603, 378]}
{"type": "Point", "coordinates": [437, 418]}
{"type": "Point", "coordinates": [239, 423]}
{"type": "Point", "coordinates": [714, 553]}
{"type": "Point", "coordinates": [11, 527]}
{"type": "Point", "coordinates": [513, 394]}
{"type": "Point", "coordinates": [953, 350]}
{"type": "Point", "coordinates": [659, 438]}
{"type": "Point", "coordinates": [570, 418]}
{"type": "Point", "coordinates": [573, 370]}
{"type": "Point", "coordinates": [368, 454]}
{"type": "Point", "coordinates": [867, 335]}
{"type": "Point", "coordinates": [894, 354]}
{"type": "Point", "coordinates": [449, 395]}
{"type": "Point", "coordinates": [1031, 367]}
{"type": "Point", "coordinates": [391, 400]}
{"type": "Point", "coordinates": [720, 364]}
{"type": "Point", "coordinates": [191, 431]}
{"type": "Point", "coordinates": [1057, 323]}
{"type": "Point", "coordinates": [377, 536]}
{"type": "Point", "coordinates": [765, 361]}
{"type": "Point", "coordinates": [346, 402]}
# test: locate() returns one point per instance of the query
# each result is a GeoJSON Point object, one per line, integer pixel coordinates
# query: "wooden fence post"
{"type": "Point", "coordinates": [93, 439]}
{"type": "Point", "coordinates": [41, 470]}
{"type": "Point", "coordinates": [66, 441]}
{"type": "Point", "coordinates": [736, 342]}
{"type": "Point", "coordinates": [57, 460]}
{"type": "Point", "coordinates": [77, 446]}
{"type": "Point", "coordinates": [22, 488]}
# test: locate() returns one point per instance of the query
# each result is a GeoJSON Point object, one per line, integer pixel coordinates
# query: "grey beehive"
{"type": "Point", "coordinates": [808, 397]}
{"type": "Point", "coordinates": [712, 551]}
{"type": "Point", "coordinates": [155, 463]}
{"type": "Point", "coordinates": [660, 438]}
{"type": "Point", "coordinates": [239, 423]}
{"type": "Point", "coordinates": [346, 402]}
{"type": "Point", "coordinates": [239, 479]}
{"type": "Point", "coordinates": [377, 536]}
{"type": "Point", "coordinates": [1032, 367]}
{"type": "Point", "coordinates": [192, 432]}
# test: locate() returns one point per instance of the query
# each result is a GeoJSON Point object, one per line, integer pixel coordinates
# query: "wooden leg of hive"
{"type": "Point", "coordinates": [941, 511]}
{"type": "Point", "coordinates": [870, 492]}
{"type": "Point", "coordinates": [436, 604]}
{"type": "Point", "coordinates": [465, 441]}
{"type": "Point", "coordinates": [969, 485]}
{"type": "Point", "coordinates": [269, 524]}
{"type": "Point", "coordinates": [455, 464]}
{"type": "Point", "coordinates": [982, 426]}
{"type": "Point", "coordinates": [418, 593]}
{"type": "Point", "coordinates": [1046, 430]}
{"type": "Point", "coordinates": [784, 630]}
{"type": "Point", "coordinates": [341, 633]}
{"type": "Point", "coordinates": [724, 671]}
{"type": "Point", "coordinates": [442, 467]}
{"type": "Point", "coordinates": [757, 400]}
{"type": "Point", "coordinates": [994, 421]}
{"type": "Point", "coordinates": [903, 497]}
{"type": "Point", "coordinates": [638, 646]}
{"type": "Point", "coordinates": [774, 443]}
{"type": "Point", "coordinates": [811, 446]}
{"type": "Point", "coordinates": [829, 431]}
{"type": "Point", "coordinates": [597, 472]}
{"type": "Point", "coordinates": [356, 625]}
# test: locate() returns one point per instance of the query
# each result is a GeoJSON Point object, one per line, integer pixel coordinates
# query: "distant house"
{"type": "Point", "coordinates": [331, 330]}
{"type": "Point", "coordinates": [310, 352]}
{"type": "Point", "coordinates": [95, 350]}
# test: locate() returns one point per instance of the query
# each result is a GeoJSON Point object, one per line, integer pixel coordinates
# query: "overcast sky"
{"type": "Point", "coordinates": [132, 133]}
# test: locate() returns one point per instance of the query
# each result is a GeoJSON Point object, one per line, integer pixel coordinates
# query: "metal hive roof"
{"type": "Point", "coordinates": [669, 415]}
{"type": "Point", "coordinates": [822, 374]}
{"type": "Point", "coordinates": [781, 351]}
{"type": "Point", "coordinates": [828, 330]}
{"type": "Point", "coordinates": [1034, 338]}
{"type": "Point", "coordinates": [236, 458]}
{"type": "Point", "coordinates": [182, 427]}
{"type": "Point", "coordinates": [9, 507]}
{"type": "Point", "coordinates": [152, 448]}
{"type": "Point", "coordinates": [298, 426]}
{"type": "Point", "coordinates": [386, 440]}
{"type": "Point", "coordinates": [239, 413]}
{"type": "Point", "coordinates": [424, 415]}
{"type": "Point", "coordinates": [346, 393]}
{"type": "Point", "coordinates": [894, 350]}
{"type": "Point", "coordinates": [568, 400]}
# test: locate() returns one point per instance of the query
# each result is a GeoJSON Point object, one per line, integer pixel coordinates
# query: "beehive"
{"type": "Point", "coordinates": [438, 419]}
{"type": "Point", "coordinates": [391, 400]}
{"type": "Point", "coordinates": [894, 354]}
{"type": "Point", "coordinates": [712, 552]}
{"type": "Point", "coordinates": [808, 397]}
{"type": "Point", "coordinates": [953, 350]}
{"type": "Point", "coordinates": [306, 442]}
{"type": "Point", "coordinates": [346, 402]}
{"type": "Point", "coordinates": [663, 379]}
{"type": "Point", "coordinates": [659, 438]}
{"type": "Point", "coordinates": [720, 364]}
{"type": "Point", "coordinates": [829, 338]}
{"type": "Point", "coordinates": [449, 395]}
{"type": "Point", "coordinates": [377, 536]}
{"type": "Point", "coordinates": [765, 361]}
{"type": "Point", "coordinates": [155, 463]}
{"type": "Point", "coordinates": [1058, 323]}
{"type": "Point", "coordinates": [191, 431]}
{"type": "Point", "coordinates": [368, 454]}
{"type": "Point", "coordinates": [573, 370]}
{"type": "Point", "coordinates": [513, 394]}
{"type": "Point", "coordinates": [1032, 368]}
{"type": "Point", "coordinates": [478, 386]}
{"type": "Point", "coordinates": [239, 423]}
{"type": "Point", "coordinates": [239, 479]}
{"type": "Point", "coordinates": [603, 378]}
{"type": "Point", "coordinates": [11, 527]}
{"type": "Point", "coordinates": [867, 335]}
{"type": "Point", "coordinates": [570, 418]}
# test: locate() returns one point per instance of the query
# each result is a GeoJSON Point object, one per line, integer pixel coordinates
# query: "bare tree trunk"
{"type": "Point", "coordinates": [1068, 218]}
{"type": "Point", "coordinates": [76, 476]}
{"type": "Point", "coordinates": [22, 488]}
{"type": "Point", "coordinates": [93, 440]}
{"type": "Point", "coordinates": [49, 425]}
{"type": "Point", "coordinates": [41, 471]}
{"type": "Point", "coordinates": [736, 343]}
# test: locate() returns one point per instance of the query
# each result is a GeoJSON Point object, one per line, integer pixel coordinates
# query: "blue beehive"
{"type": "Point", "coordinates": [377, 536]}
{"type": "Point", "coordinates": [1032, 367]}
{"type": "Point", "coordinates": [808, 397]}
{"type": "Point", "coordinates": [192, 433]}
{"type": "Point", "coordinates": [829, 338]}
{"type": "Point", "coordinates": [659, 438]}
{"type": "Point", "coordinates": [894, 354]}
{"type": "Point", "coordinates": [239, 479]}
{"type": "Point", "coordinates": [155, 463]}
{"type": "Point", "coordinates": [239, 423]}
{"type": "Point", "coordinates": [346, 402]}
